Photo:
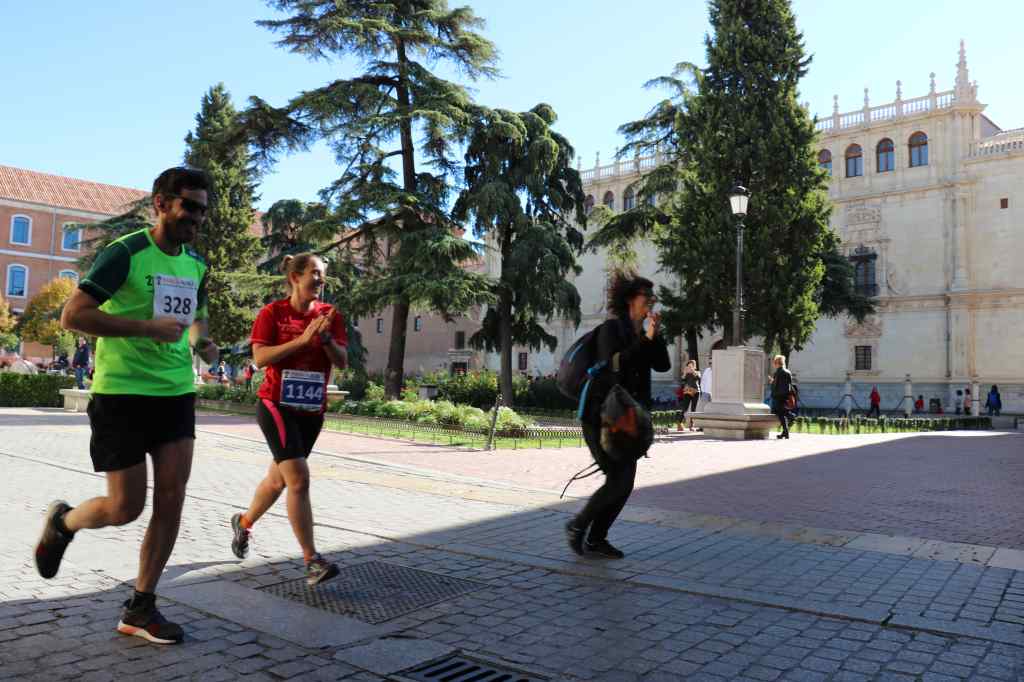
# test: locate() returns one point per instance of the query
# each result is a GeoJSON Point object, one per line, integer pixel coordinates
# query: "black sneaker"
{"type": "Point", "coordinates": [575, 537]}
{"type": "Point", "coordinates": [52, 541]}
{"type": "Point", "coordinates": [145, 621]}
{"type": "Point", "coordinates": [604, 549]}
{"type": "Point", "coordinates": [240, 543]}
{"type": "Point", "coordinates": [319, 570]}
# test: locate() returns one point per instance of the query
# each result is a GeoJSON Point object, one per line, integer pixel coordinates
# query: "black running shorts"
{"type": "Point", "coordinates": [290, 434]}
{"type": "Point", "coordinates": [126, 427]}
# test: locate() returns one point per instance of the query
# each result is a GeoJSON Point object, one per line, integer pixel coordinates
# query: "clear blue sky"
{"type": "Point", "coordinates": [106, 91]}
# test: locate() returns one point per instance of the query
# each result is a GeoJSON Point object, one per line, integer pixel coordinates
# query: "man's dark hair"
{"type": "Point", "coordinates": [173, 180]}
{"type": "Point", "coordinates": [624, 286]}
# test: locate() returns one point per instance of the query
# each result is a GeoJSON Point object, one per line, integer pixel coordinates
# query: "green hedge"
{"type": "Point", "coordinates": [438, 413]}
{"type": "Point", "coordinates": [33, 390]}
{"type": "Point", "coordinates": [889, 424]}
{"type": "Point", "coordinates": [233, 394]}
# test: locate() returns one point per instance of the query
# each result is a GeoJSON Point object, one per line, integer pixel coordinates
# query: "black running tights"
{"type": "Point", "coordinates": [607, 502]}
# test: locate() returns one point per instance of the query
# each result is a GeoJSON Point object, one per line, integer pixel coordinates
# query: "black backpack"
{"type": "Point", "coordinates": [580, 366]}
{"type": "Point", "coordinates": [572, 371]}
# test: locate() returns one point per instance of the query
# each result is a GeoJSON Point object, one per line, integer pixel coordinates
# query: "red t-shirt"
{"type": "Point", "coordinates": [278, 323]}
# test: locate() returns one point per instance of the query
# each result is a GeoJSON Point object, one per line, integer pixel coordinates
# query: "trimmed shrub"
{"type": "Point", "coordinates": [33, 390]}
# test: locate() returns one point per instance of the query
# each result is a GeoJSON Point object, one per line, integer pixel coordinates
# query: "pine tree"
{"type": "Point", "coordinates": [224, 239]}
{"type": "Point", "coordinates": [741, 123]}
{"type": "Point", "coordinates": [522, 195]}
{"type": "Point", "coordinates": [377, 116]}
{"type": "Point", "coordinates": [292, 226]}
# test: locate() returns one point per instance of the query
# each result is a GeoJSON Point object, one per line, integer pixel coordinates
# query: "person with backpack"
{"type": "Point", "coordinates": [630, 347]}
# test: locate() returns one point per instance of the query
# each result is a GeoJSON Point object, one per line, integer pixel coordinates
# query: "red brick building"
{"type": "Point", "coordinates": [35, 209]}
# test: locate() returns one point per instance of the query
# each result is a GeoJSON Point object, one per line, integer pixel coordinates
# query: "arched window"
{"type": "Point", "coordinates": [864, 277]}
{"type": "Point", "coordinates": [825, 161]}
{"type": "Point", "coordinates": [68, 274]}
{"type": "Point", "coordinates": [17, 281]}
{"type": "Point", "coordinates": [609, 200]}
{"type": "Point", "coordinates": [72, 237]}
{"type": "Point", "coordinates": [652, 199]}
{"type": "Point", "coordinates": [628, 199]}
{"type": "Point", "coordinates": [588, 204]}
{"type": "Point", "coordinates": [918, 149]}
{"type": "Point", "coordinates": [854, 161]}
{"type": "Point", "coordinates": [21, 230]}
{"type": "Point", "coordinates": [886, 153]}
{"type": "Point", "coordinates": [864, 274]}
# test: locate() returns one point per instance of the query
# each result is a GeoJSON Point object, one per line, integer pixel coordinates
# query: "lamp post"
{"type": "Point", "coordinates": [739, 197]}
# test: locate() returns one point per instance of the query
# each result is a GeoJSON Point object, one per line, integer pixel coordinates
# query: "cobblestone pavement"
{"type": "Point", "coordinates": [963, 487]}
{"type": "Point", "coordinates": [685, 604]}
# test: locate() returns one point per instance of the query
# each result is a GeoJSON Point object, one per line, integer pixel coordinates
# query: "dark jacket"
{"type": "Point", "coordinates": [692, 381]}
{"type": "Point", "coordinates": [782, 383]}
{"type": "Point", "coordinates": [81, 358]}
{"type": "Point", "coordinates": [994, 400]}
{"type": "Point", "coordinates": [638, 355]}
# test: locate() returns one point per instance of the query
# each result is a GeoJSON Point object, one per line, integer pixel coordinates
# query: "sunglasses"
{"type": "Point", "coordinates": [190, 205]}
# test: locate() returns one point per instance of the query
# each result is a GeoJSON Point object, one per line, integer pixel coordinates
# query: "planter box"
{"type": "Point", "coordinates": [75, 400]}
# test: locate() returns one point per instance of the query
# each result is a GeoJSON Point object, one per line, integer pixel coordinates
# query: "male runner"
{"type": "Point", "coordinates": [144, 290]}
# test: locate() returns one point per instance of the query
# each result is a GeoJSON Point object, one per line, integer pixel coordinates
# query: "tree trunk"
{"type": "Point", "coordinates": [691, 344]}
{"type": "Point", "coordinates": [505, 333]}
{"type": "Point", "coordinates": [400, 318]}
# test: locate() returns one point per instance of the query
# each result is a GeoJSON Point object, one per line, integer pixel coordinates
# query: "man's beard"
{"type": "Point", "coordinates": [185, 231]}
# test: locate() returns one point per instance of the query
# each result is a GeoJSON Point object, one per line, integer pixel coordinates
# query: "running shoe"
{"type": "Point", "coordinates": [604, 549]}
{"type": "Point", "coordinates": [52, 541]}
{"type": "Point", "coordinates": [240, 542]}
{"type": "Point", "coordinates": [144, 620]}
{"type": "Point", "coordinates": [319, 570]}
{"type": "Point", "coordinates": [574, 536]}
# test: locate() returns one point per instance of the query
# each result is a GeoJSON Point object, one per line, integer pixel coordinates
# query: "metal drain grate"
{"type": "Point", "coordinates": [460, 669]}
{"type": "Point", "coordinates": [375, 592]}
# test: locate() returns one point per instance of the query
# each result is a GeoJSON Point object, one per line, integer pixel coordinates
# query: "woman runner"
{"type": "Point", "coordinates": [297, 340]}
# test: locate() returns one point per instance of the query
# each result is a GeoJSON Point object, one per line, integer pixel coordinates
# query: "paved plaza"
{"type": "Point", "coordinates": [895, 557]}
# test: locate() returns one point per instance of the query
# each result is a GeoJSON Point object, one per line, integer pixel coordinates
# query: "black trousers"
{"type": "Point", "coordinates": [688, 403]}
{"type": "Point", "coordinates": [779, 408]}
{"type": "Point", "coordinates": [607, 502]}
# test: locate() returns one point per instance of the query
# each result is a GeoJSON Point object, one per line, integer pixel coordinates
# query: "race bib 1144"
{"type": "Point", "coordinates": [174, 297]}
{"type": "Point", "coordinates": [302, 390]}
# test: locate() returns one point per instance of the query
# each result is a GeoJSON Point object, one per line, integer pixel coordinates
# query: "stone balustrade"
{"type": "Point", "coordinates": [1004, 142]}
{"type": "Point", "coordinates": [885, 112]}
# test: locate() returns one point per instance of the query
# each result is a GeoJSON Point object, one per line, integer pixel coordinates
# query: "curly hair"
{"type": "Point", "coordinates": [623, 288]}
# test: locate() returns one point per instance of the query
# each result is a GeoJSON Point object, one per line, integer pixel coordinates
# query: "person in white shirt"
{"type": "Point", "coordinates": [705, 387]}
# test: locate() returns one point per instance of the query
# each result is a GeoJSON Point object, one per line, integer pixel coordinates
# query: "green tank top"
{"type": "Point", "coordinates": [133, 278]}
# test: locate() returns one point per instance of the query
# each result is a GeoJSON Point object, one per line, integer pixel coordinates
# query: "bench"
{"type": "Point", "coordinates": [74, 399]}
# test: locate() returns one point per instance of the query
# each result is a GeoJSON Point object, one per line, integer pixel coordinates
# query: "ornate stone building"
{"type": "Point", "coordinates": [927, 196]}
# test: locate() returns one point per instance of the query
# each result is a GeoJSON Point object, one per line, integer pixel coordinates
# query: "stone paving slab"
{"type": "Point", "coordinates": [572, 619]}
{"type": "Point", "coordinates": [769, 569]}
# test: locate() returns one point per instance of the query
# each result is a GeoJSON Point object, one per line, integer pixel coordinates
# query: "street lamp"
{"type": "Point", "coordinates": [739, 197]}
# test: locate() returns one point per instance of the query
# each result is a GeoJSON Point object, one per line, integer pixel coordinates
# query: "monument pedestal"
{"type": "Point", "coordinates": [737, 410]}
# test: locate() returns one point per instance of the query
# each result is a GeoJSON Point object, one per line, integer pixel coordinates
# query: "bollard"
{"type": "Point", "coordinates": [848, 395]}
{"type": "Point", "coordinates": [908, 397]}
